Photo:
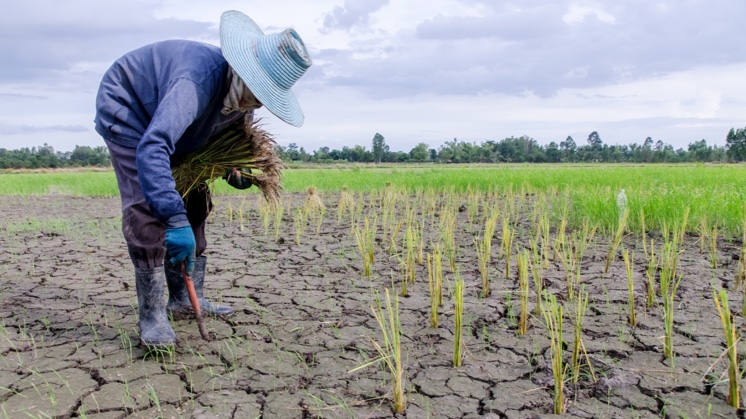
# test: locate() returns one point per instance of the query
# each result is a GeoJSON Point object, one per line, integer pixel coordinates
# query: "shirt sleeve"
{"type": "Point", "coordinates": [183, 103]}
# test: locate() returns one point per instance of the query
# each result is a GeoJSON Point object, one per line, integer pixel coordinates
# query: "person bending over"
{"type": "Point", "coordinates": [161, 102]}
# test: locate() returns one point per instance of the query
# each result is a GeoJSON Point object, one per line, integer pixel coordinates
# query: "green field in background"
{"type": "Point", "coordinates": [661, 191]}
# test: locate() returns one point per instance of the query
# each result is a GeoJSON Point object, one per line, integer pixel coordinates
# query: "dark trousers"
{"type": "Point", "coordinates": [144, 234]}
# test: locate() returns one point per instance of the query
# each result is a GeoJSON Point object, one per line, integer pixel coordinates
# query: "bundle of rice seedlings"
{"type": "Point", "coordinates": [313, 201]}
{"type": "Point", "coordinates": [244, 145]}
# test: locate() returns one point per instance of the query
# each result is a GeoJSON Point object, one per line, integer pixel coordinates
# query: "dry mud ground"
{"type": "Point", "coordinates": [69, 345]}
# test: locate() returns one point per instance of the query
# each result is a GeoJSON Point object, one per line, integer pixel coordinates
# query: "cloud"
{"type": "Point", "coordinates": [353, 13]}
{"type": "Point", "coordinates": [22, 96]}
{"type": "Point", "coordinates": [37, 41]}
{"type": "Point", "coordinates": [538, 48]}
{"type": "Point", "coordinates": [515, 25]}
{"type": "Point", "coordinates": [472, 69]}
{"type": "Point", "coordinates": [578, 13]}
{"type": "Point", "coordinates": [6, 129]}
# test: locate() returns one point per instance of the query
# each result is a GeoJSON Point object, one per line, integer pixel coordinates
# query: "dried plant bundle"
{"type": "Point", "coordinates": [244, 145]}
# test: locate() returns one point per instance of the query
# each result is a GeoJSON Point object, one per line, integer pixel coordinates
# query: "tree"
{"type": "Point", "coordinates": [647, 150]}
{"type": "Point", "coordinates": [594, 140]}
{"type": "Point", "coordinates": [553, 153]}
{"type": "Point", "coordinates": [87, 156]}
{"type": "Point", "coordinates": [380, 148]}
{"type": "Point", "coordinates": [568, 148]}
{"type": "Point", "coordinates": [420, 152]}
{"type": "Point", "coordinates": [735, 144]}
{"type": "Point", "coordinates": [699, 151]}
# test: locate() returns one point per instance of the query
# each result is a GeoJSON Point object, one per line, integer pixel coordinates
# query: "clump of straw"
{"type": "Point", "coordinates": [244, 145]}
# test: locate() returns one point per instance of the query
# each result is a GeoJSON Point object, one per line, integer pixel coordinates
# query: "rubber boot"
{"type": "Point", "coordinates": [155, 330]}
{"type": "Point", "coordinates": [179, 304]}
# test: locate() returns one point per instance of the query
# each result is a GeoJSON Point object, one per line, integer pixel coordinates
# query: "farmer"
{"type": "Point", "coordinates": [162, 101]}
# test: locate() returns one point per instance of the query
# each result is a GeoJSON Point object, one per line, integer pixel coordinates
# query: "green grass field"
{"type": "Point", "coordinates": [663, 192]}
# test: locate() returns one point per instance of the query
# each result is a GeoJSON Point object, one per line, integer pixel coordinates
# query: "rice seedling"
{"type": "Point", "coordinates": [521, 199]}
{"type": "Point", "coordinates": [365, 239]}
{"type": "Point", "coordinates": [490, 201]}
{"type": "Point", "coordinates": [410, 265]}
{"type": "Point", "coordinates": [314, 206]}
{"type": "Point", "coordinates": [484, 250]}
{"type": "Point", "coordinates": [741, 270]}
{"type": "Point", "coordinates": [265, 210]}
{"type": "Point", "coordinates": [394, 235]}
{"type": "Point", "coordinates": [546, 240]}
{"type": "Point", "coordinates": [458, 319]}
{"type": "Point", "coordinates": [628, 264]}
{"type": "Point", "coordinates": [703, 229]}
{"type": "Point", "coordinates": [358, 213]}
{"type": "Point", "coordinates": [420, 242]}
{"type": "Point", "coordinates": [278, 212]}
{"type": "Point", "coordinates": [438, 271]}
{"type": "Point", "coordinates": [435, 292]}
{"type": "Point", "coordinates": [650, 274]}
{"type": "Point", "coordinates": [126, 342]}
{"type": "Point", "coordinates": [669, 283]}
{"type": "Point", "coordinates": [299, 222]}
{"type": "Point", "coordinates": [536, 274]}
{"type": "Point", "coordinates": [472, 205]}
{"type": "Point", "coordinates": [152, 395]}
{"type": "Point", "coordinates": [388, 210]}
{"type": "Point", "coordinates": [713, 247]}
{"type": "Point", "coordinates": [731, 339]}
{"type": "Point", "coordinates": [522, 260]}
{"type": "Point", "coordinates": [430, 208]}
{"type": "Point", "coordinates": [617, 239]}
{"type": "Point", "coordinates": [560, 235]}
{"type": "Point", "coordinates": [448, 235]}
{"type": "Point", "coordinates": [583, 239]}
{"type": "Point", "coordinates": [537, 213]}
{"type": "Point", "coordinates": [389, 348]}
{"type": "Point", "coordinates": [684, 223]}
{"type": "Point", "coordinates": [241, 217]}
{"type": "Point", "coordinates": [346, 205]}
{"type": "Point", "coordinates": [553, 323]}
{"type": "Point", "coordinates": [507, 243]}
{"type": "Point", "coordinates": [579, 316]}
{"type": "Point", "coordinates": [643, 232]}
{"type": "Point", "coordinates": [230, 213]}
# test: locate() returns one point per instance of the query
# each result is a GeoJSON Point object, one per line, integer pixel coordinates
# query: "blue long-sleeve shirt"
{"type": "Point", "coordinates": [165, 100]}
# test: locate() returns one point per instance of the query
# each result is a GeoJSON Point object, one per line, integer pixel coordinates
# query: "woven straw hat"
{"type": "Point", "coordinates": [269, 64]}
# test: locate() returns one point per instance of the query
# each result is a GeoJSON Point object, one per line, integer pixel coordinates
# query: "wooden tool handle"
{"type": "Point", "coordinates": [195, 303]}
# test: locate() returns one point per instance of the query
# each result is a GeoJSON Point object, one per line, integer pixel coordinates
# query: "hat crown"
{"type": "Point", "coordinates": [269, 65]}
{"type": "Point", "coordinates": [283, 57]}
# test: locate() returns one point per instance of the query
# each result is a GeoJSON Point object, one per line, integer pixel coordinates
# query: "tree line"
{"type": "Point", "coordinates": [45, 157]}
{"type": "Point", "coordinates": [522, 149]}
{"type": "Point", "coordinates": [525, 149]}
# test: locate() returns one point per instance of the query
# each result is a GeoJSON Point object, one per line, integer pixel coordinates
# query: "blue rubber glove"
{"type": "Point", "coordinates": [180, 245]}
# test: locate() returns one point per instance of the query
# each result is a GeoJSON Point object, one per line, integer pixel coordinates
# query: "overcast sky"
{"type": "Point", "coordinates": [412, 70]}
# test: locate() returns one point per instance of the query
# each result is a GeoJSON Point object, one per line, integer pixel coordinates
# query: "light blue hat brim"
{"type": "Point", "coordinates": [237, 35]}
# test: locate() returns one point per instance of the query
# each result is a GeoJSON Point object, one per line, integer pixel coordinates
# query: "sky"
{"type": "Point", "coordinates": [411, 70]}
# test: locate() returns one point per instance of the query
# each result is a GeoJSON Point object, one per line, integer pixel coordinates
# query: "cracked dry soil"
{"type": "Point", "coordinates": [69, 345]}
